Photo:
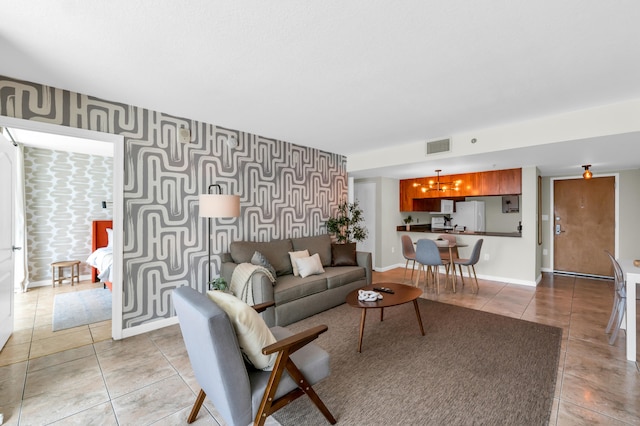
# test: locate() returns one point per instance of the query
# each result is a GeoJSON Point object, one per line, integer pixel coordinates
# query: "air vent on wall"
{"type": "Point", "coordinates": [437, 147]}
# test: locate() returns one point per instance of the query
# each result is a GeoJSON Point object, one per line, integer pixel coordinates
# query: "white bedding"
{"type": "Point", "coordinates": [102, 260]}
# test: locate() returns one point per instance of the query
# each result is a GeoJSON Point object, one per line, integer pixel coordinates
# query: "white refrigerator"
{"type": "Point", "coordinates": [469, 214]}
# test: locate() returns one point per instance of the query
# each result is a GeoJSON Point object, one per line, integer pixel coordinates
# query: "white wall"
{"type": "Point", "coordinates": [629, 214]}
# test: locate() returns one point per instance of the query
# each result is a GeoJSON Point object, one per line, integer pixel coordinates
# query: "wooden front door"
{"type": "Point", "coordinates": [584, 225]}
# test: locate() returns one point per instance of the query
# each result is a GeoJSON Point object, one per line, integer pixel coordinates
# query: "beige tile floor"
{"type": "Point", "coordinates": [81, 376]}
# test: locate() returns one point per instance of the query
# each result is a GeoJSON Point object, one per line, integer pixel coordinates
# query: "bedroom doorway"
{"type": "Point", "coordinates": [93, 139]}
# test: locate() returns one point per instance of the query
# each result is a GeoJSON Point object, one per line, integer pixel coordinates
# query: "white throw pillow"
{"type": "Point", "coordinates": [309, 265]}
{"type": "Point", "coordinates": [253, 333]}
{"type": "Point", "coordinates": [294, 255]}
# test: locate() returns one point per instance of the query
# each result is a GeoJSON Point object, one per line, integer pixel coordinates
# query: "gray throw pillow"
{"type": "Point", "coordinates": [259, 259]}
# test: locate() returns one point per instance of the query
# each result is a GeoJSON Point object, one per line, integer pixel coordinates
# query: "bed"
{"type": "Point", "coordinates": [101, 257]}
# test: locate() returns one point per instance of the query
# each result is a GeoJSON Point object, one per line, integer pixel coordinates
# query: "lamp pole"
{"type": "Point", "coordinates": [219, 191]}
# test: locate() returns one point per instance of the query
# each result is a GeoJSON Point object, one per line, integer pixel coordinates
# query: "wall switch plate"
{"type": "Point", "coordinates": [393, 249]}
{"type": "Point", "coordinates": [184, 135]}
{"type": "Point", "coordinates": [545, 252]}
{"type": "Point", "coordinates": [486, 256]}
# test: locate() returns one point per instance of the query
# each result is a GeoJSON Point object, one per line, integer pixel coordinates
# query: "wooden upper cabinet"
{"type": "Point", "coordinates": [501, 182]}
{"type": "Point", "coordinates": [490, 183]}
{"type": "Point", "coordinates": [494, 182]}
{"type": "Point", "coordinates": [406, 196]}
{"type": "Point", "coordinates": [511, 182]}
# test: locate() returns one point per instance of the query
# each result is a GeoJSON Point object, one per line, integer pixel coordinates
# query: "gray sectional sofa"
{"type": "Point", "coordinates": [296, 297]}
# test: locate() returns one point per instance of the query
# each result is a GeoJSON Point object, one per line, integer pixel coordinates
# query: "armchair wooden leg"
{"type": "Point", "coordinates": [196, 406]}
{"type": "Point", "coordinates": [306, 388]}
{"type": "Point", "coordinates": [268, 405]}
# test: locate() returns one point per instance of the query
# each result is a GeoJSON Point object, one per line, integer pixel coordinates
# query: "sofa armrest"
{"type": "Point", "coordinates": [262, 289]}
{"type": "Point", "coordinates": [364, 259]}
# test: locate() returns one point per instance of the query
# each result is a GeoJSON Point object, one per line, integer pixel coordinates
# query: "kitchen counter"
{"type": "Point", "coordinates": [427, 229]}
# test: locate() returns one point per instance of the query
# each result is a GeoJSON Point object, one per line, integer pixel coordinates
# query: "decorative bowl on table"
{"type": "Point", "coordinates": [442, 243]}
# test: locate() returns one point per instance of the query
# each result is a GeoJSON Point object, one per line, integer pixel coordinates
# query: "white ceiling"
{"type": "Point", "coordinates": [342, 76]}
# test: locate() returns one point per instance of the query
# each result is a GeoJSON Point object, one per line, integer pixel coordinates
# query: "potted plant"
{"type": "Point", "coordinates": [347, 225]}
{"type": "Point", "coordinates": [218, 284]}
{"type": "Point", "coordinates": [407, 222]}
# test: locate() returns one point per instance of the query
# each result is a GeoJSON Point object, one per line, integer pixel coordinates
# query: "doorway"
{"type": "Point", "coordinates": [365, 194]}
{"type": "Point", "coordinates": [584, 220]}
{"type": "Point", "coordinates": [117, 142]}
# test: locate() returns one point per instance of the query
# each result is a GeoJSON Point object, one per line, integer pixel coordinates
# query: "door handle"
{"type": "Point", "coordinates": [558, 230]}
{"type": "Point", "coordinates": [14, 248]}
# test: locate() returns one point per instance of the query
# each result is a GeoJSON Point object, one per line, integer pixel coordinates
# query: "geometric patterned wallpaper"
{"type": "Point", "coordinates": [63, 192]}
{"type": "Point", "coordinates": [285, 190]}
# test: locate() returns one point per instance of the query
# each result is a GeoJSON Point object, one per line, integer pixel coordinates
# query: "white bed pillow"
{"type": "Point", "coordinates": [109, 237]}
{"type": "Point", "coordinates": [253, 333]}
{"type": "Point", "coordinates": [311, 265]}
{"type": "Point", "coordinates": [294, 255]}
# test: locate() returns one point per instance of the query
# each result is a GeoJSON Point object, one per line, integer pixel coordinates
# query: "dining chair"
{"type": "Point", "coordinates": [619, 300]}
{"type": "Point", "coordinates": [428, 254]}
{"type": "Point", "coordinates": [409, 253]}
{"type": "Point", "coordinates": [470, 263]}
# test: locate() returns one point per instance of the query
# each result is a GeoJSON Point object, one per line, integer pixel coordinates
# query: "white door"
{"type": "Point", "coordinates": [7, 194]}
{"type": "Point", "coordinates": [365, 194]}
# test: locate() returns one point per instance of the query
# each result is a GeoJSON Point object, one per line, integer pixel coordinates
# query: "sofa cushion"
{"type": "Point", "coordinates": [337, 276]}
{"type": "Point", "coordinates": [276, 252]}
{"type": "Point", "coordinates": [320, 244]}
{"type": "Point", "coordinates": [343, 254]}
{"type": "Point", "coordinates": [290, 288]}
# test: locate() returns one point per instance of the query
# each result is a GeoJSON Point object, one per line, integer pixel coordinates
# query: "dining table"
{"type": "Point", "coordinates": [631, 278]}
{"type": "Point", "coordinates": [450, 245]}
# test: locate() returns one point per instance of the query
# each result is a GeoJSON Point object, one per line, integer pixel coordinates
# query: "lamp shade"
{"type": "Point", "coordinates": [219, 205]}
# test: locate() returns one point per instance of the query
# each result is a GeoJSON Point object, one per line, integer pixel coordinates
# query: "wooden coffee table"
{"type": "Point", "coordinates": [402, 294]}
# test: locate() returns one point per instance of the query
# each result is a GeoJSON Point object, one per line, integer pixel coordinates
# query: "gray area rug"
{"type": "Point", "coordinates": [470, 368]}
{"type": "Point", "coordinates": [81, 307]}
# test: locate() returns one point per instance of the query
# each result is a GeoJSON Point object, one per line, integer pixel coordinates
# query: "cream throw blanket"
{"type": "Point", "coordinates": [241, 281]}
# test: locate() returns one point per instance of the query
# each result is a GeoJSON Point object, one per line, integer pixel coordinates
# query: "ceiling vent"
{"type": "Point", "coordinates": [440, 146]}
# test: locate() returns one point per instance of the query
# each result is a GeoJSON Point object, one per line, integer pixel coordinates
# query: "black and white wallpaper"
{"type": "Point", "coordinates": [286, 190]}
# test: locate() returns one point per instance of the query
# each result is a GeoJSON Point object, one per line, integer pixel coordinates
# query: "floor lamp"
{"type": "Point", "coordinates": [216, 204]}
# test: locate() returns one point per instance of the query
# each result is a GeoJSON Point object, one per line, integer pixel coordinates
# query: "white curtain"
{"type": "Point", "coordinates": [21, 276]}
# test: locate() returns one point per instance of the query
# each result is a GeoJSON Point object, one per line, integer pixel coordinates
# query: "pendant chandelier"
{"type": "Point", "coordinates": [439, 186]}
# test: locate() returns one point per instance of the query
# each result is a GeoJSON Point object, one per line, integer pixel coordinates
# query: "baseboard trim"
{"type": "Point", "coordinates": [149, 326]}
{"type": "Point", "coordinates": [480, 276]}
{"type": "Point", "coordinates": [44, 283]}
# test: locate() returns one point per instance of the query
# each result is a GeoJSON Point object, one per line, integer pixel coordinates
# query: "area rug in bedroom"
{"type": "Point", "coordinates": [77, 308]}
{"type": "Point", "coordinates": [470, 368]}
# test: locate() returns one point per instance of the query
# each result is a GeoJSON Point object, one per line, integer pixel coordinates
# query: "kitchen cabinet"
{"type": "Point", "coordinates": [511, 182]}
{"type": "Point", "coordinates": [414, 193]}
{"type": "Point", "coordinates": [490, 183]}
{"type": "Point", "coordinates": [434, 205]}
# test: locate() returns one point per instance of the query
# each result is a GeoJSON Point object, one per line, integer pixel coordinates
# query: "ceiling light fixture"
{"type": "Point", "coordinates": [587, 173]}
{"type": "Point", "coordinates": [440, 186]}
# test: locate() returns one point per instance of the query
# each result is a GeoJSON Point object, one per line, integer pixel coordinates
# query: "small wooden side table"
{"type": "Point", "coordinates": [75, 272]}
